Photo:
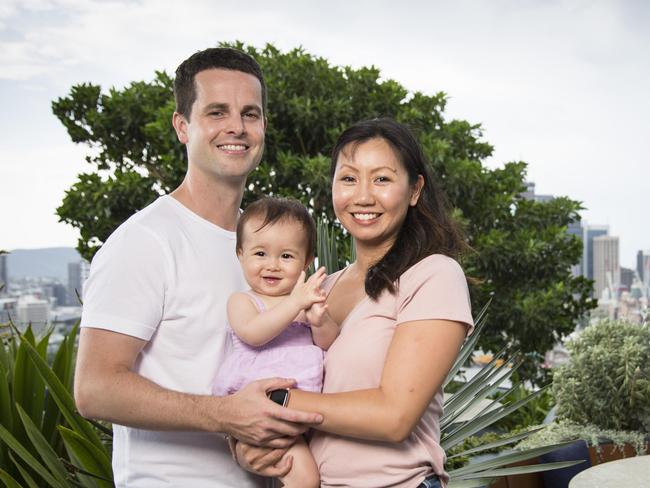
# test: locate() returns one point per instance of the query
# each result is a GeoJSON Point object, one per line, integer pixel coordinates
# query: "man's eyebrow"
{"type": "Point", "coordinates": [216, 106]}
{"type": "Point", "coordinates": [252, 108]}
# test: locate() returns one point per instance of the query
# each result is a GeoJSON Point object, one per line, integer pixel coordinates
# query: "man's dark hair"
{"type": "Point", "coordinates": [428, 227]}
{"type": "Point", "coordinates": [212, 58]}
{"type": "Point", "coordinates": [273, 210]}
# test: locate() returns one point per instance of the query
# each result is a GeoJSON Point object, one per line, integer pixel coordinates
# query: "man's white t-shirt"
{"type": "Point", "coordinates": [164, 276]}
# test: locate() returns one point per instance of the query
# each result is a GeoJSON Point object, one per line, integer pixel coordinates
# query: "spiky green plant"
{"type": "Point", "coordinates": [43, 440]}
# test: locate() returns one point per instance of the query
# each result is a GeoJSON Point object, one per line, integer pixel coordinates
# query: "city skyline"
{"type": "Point", "coordinates": [560, 86]}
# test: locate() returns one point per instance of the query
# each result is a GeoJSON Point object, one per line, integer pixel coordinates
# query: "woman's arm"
{"type": "Point", "coordinates": [420, 355]}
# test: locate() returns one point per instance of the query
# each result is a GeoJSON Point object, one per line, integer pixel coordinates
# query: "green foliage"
{"type": "Point", "coordinates": [523, 252]}
{"type": "Point", "coordinates": [607, 380]}
{"type": "Point", "coordinates": [533, 413]}
{"type": "Point", "coordinates": [565, 431]}
{"type": "Point", "coordinates": [43, 440]}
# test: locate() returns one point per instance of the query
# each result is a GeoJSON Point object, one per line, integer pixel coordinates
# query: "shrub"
{"type": "Point", "coordinates": [607, 381]}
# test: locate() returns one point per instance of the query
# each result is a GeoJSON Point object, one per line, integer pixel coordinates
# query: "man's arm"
{"type": "Point", "coordinates": [107, 388]}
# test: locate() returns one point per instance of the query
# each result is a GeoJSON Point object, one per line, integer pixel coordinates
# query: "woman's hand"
{"type": "Point", "coordinates": [263, 461]}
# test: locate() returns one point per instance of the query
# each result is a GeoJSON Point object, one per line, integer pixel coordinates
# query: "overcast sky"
{"type": "Point", "coordinates": [562, 85]}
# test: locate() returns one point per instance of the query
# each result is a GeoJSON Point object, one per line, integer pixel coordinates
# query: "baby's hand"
{"type": "Point", "coordinates": [307, 293]}
{"type": "Point", "coordinates": [316, 313]}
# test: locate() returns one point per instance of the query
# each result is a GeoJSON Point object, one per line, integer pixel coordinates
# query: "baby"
{"type": "Point", "coordinates": [280, 326]}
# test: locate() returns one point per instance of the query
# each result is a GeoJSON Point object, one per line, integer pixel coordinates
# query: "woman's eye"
{"type": "Point", "coordinates": [382, 179]}
{"type": "Point", "coordinates": [347, 179]}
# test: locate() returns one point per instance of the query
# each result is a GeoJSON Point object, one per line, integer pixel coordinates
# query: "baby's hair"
{"type": "Point", "coordinates": [274, 210]}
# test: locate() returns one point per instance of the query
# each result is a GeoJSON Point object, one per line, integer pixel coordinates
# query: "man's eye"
{"type": "Point", "coordinates": [215, 113]}
{"type": "Point", "coordinates": [251, 115]}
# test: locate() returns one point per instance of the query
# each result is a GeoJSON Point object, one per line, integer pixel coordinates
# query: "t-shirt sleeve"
{"type": "Point", "coordinates": [434, 288]}
{"type": "Point", "coordinates": [126, 286]}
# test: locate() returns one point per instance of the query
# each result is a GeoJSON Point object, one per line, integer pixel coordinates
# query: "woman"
{"type": "Point", "coordinates": [403, 307]}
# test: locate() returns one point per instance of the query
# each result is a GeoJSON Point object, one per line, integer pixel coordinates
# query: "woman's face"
{"type": "Point", "coordinates": [371, 192]}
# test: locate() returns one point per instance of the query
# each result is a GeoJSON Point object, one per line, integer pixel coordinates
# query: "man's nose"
{"type": "Point", "coordinates": [235, 125]}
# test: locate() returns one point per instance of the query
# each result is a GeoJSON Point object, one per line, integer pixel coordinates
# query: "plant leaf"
{"type": "Point", "coordinates": [505, 459]}
{"type": "Point", "coordinates": [8, 480]}
{"type": "Point", "coordinates": [23, 472]}
{"type": "Point", "coordinates": [45, 451]}
{"type": "Point", "coordinates": [497, 443]}
{"type": "Point", "coordinates": [515, 470]}
{"type": "Point", "coordinates": [93, 460]}
{"type": "Point", "coordinates": [26, 456]}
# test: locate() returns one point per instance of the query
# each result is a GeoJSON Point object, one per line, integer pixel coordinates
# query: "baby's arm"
{"type": "Point", "coordinates": [255, 328]}
{"type": "Point", "coordinates": [323, 328]}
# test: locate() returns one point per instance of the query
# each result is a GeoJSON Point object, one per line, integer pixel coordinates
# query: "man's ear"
{"type": "Point", "coordinates": [180, 124]}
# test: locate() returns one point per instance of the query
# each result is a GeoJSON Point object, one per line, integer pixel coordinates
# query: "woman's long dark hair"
{"type": "Point", "coordinates": [428, 227]}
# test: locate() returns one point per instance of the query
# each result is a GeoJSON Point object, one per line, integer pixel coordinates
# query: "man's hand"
{"type": "Point", "coordinates": [263, 461]}
{"type": "Point", "coordinates": [251, 417]}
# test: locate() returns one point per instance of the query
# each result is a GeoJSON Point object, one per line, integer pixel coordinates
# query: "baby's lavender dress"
{"type": "Point", "coordinates": [292, 354]}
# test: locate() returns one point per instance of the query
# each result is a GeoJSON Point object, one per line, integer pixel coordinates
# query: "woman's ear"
{"type": "Point", "coordinates": [417, 190]}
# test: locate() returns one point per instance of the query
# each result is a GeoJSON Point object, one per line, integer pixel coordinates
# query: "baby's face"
{"type": "Point", "coordinates": [272, 258]}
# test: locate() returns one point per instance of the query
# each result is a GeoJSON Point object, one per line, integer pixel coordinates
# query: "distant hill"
{"type": "Point", "coordinates": [51, 262]}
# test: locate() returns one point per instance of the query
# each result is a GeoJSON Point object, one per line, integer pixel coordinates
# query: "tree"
{"type": "Point", "coordinates": [522, 251]}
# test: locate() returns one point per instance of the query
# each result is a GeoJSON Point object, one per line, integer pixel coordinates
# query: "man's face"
{"type": "Point", "coordinates": [225, 134]}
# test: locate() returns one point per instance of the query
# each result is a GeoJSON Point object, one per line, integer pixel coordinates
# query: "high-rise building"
{"type": "Point", "coordinates": [57, 293]}
{"type": "Point", "coordinates": [575, 229]}
{"type": "Point", "coordinates": [606, 269]}
{"type": "Point", "coordinates": [34, 311]}
{"type": "Point", "coordinates": [4, 279]}
{"type": "Point", "coordinates": [591, 232]}
{"type": "Point", "coordinates": [643, 266]}
{"type": "Point", "coordinates": [627, 278]}
{"type": "Point", "coordinates": [77, 276]}
{"type": "Point", "coordinates": [7, 309]}
{"type": "Point", "coordinates": [529, 193]}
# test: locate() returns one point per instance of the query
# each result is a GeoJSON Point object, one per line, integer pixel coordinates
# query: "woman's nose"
{"type": "Point", "coordinates": [364, 194]}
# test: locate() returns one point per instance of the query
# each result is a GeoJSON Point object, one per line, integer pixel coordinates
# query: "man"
{"type": "Point", "coordinates": [153, 321]}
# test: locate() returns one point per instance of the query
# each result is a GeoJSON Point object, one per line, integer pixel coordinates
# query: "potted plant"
{"type": "Point", "coordinates": [602, 396]}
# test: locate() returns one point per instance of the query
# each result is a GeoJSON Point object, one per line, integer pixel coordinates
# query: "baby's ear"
{"type": "Point", "coordinates": [239, 253]}
{"type": "Point", "coordinates": [308, 262]}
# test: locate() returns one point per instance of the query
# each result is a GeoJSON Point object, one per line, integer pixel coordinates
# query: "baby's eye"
{"type": "Point", "coordinates": [260, 253]}
{"type": "Point", "coordinates": [287, 256]}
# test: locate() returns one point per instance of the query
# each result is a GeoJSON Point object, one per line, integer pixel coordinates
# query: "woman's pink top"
{"type": "Point", "coordinates": [434, 288]}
